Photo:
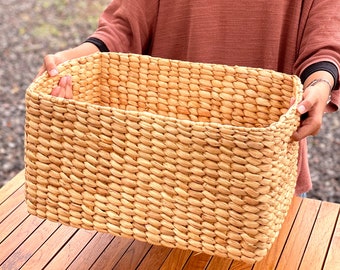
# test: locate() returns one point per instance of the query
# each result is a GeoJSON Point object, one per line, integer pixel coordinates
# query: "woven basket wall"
{"type": "Point", "coordinates": [185, 155]}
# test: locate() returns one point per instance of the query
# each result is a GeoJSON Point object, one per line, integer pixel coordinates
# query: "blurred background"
{"type": "Point", "coordinates": [31, 29]}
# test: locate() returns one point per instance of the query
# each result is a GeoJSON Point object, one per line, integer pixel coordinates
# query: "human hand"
{"type": "Point", "coordinates": [64, 88]}
{"type": "Point", "coordinates": [312, 109]}
{"type": "Point", "coordinates": [52, 60]}
{"type": "Point", "coordinates": [50, 64]}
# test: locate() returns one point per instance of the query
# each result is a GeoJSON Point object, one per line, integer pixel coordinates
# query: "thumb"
{"type": "Point", "coordinates": [50, 65]}
{"type": "Point", "coordinates": [304, 106]}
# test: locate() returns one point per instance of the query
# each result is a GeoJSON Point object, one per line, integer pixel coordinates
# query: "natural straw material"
{"type": "Point", "coordinates": [185, 155]}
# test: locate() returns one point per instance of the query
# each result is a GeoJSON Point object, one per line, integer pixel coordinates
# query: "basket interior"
{"type": "Point", "coordinates": [236, 96]}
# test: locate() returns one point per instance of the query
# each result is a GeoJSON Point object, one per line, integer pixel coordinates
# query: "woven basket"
{"type": "Point", "coordinates": [185, 155]}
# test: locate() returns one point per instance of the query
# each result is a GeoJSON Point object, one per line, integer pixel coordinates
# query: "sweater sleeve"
{"type": "Point", "coordinates": [127, 25]}
{"type": "Point", "coordinates": [319, 39]}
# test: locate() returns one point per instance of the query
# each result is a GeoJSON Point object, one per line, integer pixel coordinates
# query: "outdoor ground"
{"type": "Point", "coordinates": [32, 28]}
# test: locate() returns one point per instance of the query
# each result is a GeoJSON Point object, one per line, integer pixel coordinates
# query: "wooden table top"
{"type": "Point", "coordinates": [309, 239]}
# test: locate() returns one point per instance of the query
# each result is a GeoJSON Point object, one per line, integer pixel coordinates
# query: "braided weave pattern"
{"type": "Point", "coordinates": [185, 155]}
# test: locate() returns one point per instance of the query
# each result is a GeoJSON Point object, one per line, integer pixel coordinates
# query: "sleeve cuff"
{"type": "Point", "coordinates": [98, 43]}
{"type": "Point", "coordinates": [325, 66]}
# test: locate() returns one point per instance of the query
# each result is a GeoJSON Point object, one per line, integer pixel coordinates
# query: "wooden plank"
{"type": "Point", "coordinates": [333, 258]}
{"type": "Point", "coordinates": [239, 265]}
{"type": "Point", "coordinates": [51, 247]}
{"type": "Point", "coordinates": [112, 254]}
{"type": "Point", "coordinates": [9, 224]}
{"type": "Point", "coordinates": [197, 261]}
{"type": "Point", "coordinates": [28, 248]}
{"type": "Point", "coordinates": [300, 233]}
{"type": "Point", "coordinates": [11, 186]}
{"type": "Point", "coordinates": [70, 250]}
{"type": "Point", "coordinates": [304, 240]}
{"type": "Point", "coordinates": [18, 236]}
{"type": "Point", "coordinates": [155, 258]}
{"type": "Point", "coordinates": [319, 241]}
{"type": "Point", "coordinates": [133, 255]}
{"type": "Point", "coordinates": [218, 263]}
{"type": "Point", "coordinates": [176, 259]}
{"type": "Point", "coordinates": [270, 261]}
{"type": "Point", "coordinates": [92, 251]}
{"type": "Point", "coordinates": [10, 204]}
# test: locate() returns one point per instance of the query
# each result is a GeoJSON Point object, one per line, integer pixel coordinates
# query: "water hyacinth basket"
{"type": "Point", "coordinates": [184, 155]}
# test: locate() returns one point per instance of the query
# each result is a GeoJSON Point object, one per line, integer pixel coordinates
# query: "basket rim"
{"type": "Point", "coordinates": [297, 95]}
{"type": "Point", "coordinates": [183, 122]}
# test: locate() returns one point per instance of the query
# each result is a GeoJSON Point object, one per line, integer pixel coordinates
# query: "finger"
{"type": "Point", "coordinates": [63, 82]}
{"type": "Point", "coordinates": [304, 106]}
{"type": "Point", "coordinates": [50, 65]}
{"type": "Point", "coordinates": [55, 91]}
{"type": "Point", "coordinates": [62, 86]}
{"type": "Point", "coordinates": [304, 132]}
{"type": "Point", "coordinates": [68, 88]}
{"type": "Point", "coordinates": [61, 92]}
{"type": "Point", "coordinates": [298, 136]}
{"type": "Point", "coordinates": [310, 125]}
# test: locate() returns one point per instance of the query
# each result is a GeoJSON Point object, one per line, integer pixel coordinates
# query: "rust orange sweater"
{"type": "Point", "coordinates": [284, 35]}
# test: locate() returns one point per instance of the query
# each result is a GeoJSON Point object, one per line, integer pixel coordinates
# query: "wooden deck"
{"type": "Point", "coordinates": [309, 239]}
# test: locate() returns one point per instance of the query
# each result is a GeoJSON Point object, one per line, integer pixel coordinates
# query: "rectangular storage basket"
{"type": "Point", "coordinates": [180, 154]}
